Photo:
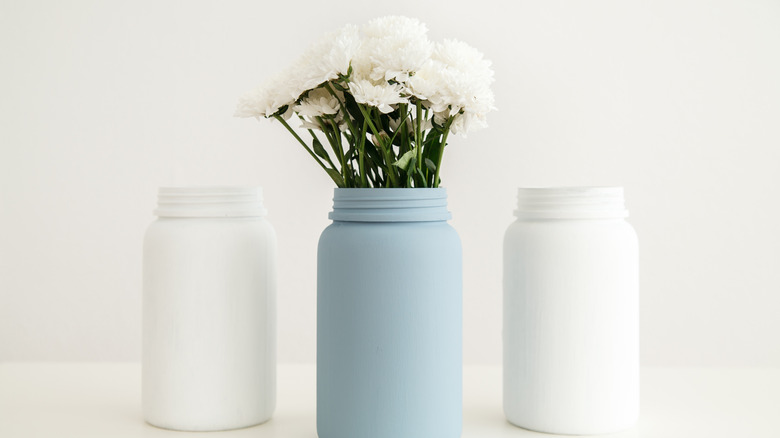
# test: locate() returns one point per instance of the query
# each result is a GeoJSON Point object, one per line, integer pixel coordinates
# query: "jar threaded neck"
{"type": "Point", "coordinates": [571, 203]}
{"type": "Point", "coordinates": [210, 202]}
{"type": "Point", "coordinates": [390, 205]}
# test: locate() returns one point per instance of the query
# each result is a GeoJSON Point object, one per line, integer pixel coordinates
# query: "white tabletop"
{"type": "Point", "coordinates": [104, 400]}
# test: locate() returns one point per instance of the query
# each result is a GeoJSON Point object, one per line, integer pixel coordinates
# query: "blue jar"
{"type": "Point", "coordinates": [389, 317]}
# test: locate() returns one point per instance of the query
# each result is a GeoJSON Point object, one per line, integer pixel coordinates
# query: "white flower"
{"type": "Point", "coordinates": [468, 74]}
{"type": "Point", "coordinates": [253, 104]}
{"type": "Point", "coordinates": [428, 85]}
{"type": "Point", "coordinates": [381, 96]}
{"type": "Point", "coordinates": [323, 61]}
{"type": "Point", "coordinates": [317, 103]}
{"type": "Point", "coordinates": [394, 48]}
{"type": "Point", "coordinates": [328, 58]}
{"type": "Point", "coordinates": [395, 25]}
{"type": "Point", "coordinates": [394, 61]}
{"type": "Point", "coordinates": [410, 124]}
{"type": "Point", "coordinates": [456, 82]}
{"type": "Point", "coordinates": [467, 122]}
{"type": "Point", "coordinates": [269, 98]}
{"type": "Point", "coordinates": [310, 123]}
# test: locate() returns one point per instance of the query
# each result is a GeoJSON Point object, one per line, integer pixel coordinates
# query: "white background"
{"type": "Point", "coordinates": [678, 101]}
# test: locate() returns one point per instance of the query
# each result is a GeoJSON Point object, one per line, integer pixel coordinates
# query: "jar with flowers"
{"type": "Point", "coordinates": [374, 107]}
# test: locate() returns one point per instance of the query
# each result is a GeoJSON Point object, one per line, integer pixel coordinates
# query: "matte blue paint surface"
{"type": "Point", "coordinates": [389, 318]}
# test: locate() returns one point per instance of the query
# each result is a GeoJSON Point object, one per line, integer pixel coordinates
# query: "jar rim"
{"type": "Point", "coordinates": [390, 205]}
{"type": "Point", "coordinates": [210, 201]}
{"type": "Point", "coordinates": [586, 202]}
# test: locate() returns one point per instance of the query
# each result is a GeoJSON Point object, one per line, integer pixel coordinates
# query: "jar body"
{"type": "Point", "coordinates": [209, 308]}
{"type": "Point", "coordinates": [389, 329]}
{"type": "Point", "coordinates": [571, 325]}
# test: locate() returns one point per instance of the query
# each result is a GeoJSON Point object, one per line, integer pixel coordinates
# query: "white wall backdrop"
{"type": "Point", "coordinates": [679, 101]}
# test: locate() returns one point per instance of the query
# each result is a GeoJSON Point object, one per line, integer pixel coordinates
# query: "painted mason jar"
{"type": "Point", "coordinates": [571, 312]}
{"type": "Point", "coordinates": [389, 317]}
{"type": "Point", "coordinates": [209, 309]}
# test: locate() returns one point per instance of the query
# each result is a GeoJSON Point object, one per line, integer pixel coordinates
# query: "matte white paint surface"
{"type": "Point", "coordinates": [676, 100]}
{"type": "Point", "coordinates": [209, 311]}
{"type": "Point", "coordinates": [571, 313]}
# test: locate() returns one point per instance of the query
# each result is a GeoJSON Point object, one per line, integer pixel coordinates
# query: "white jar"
{"type": "Point", "coordinates": [209, 309]}
{"type": "Point", "coordinates": [571, 312]}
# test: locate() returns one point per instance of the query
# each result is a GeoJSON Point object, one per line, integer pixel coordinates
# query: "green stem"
{"type": "Point", "coordinates": [341, 105]}
{"type": "Point", "coordinates": [401, 128]}
{"type": "Point", "coordinates": [326, 133]}
{"type": "Point", "coordinates": [361, 155]}
{"type": "Point", "coordinates": [314, 137]}
{"type": "Point", "coordinates": [346, 115]}
{"type": "Point", "coordinates": [388, 160]}
{"type": "Point", "coordinates": [332, 141]}
{"type": "Point", "coordinates": [402, 110]}
{"type": "Point", "coordinates": [345, 167]}
{"type": "Point", "coordinates": [305, 146]}
{"type": "Point", "coordinates": [418, 135]}
{"type": "Point", "coordinates": [367, 117]}
{"type": "Point", "coordinates": [441, 151]}
{"type": "Point", "coordinates": [405, 143]}
{"type": "Point", "coordinates": [426, 171]}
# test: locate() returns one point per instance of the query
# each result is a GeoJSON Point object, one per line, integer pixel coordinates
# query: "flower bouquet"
{"type": "Point", "coordinates": [383, 97]}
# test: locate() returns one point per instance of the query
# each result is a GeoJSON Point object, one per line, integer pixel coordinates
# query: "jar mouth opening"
{"type": "Point", "coordinates": [210, 202]}
{"type": "Point", "coordinates": [201, 190]}
{"type": "Point", "coordinates": [390, 205]}
{"type": "Point", "coordinates": [588, 202]}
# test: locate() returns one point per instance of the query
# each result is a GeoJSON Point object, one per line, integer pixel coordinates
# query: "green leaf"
{"type": "Point", "coordinates": [430, 164]}
{"type": "Point", "coordinates": [318, 149]}
{"type": "Point", "coordinates": [421, 175]}
{"type": "Point", "coordinates": [410, 171]}
{"type": "Point", "coordinates": [339, 87]}
{"type": "Point", "coordinates": [353, 109]}
{"type": "Point", "coordinates": [280, 112]}
{"type": "Point", "coordinates": [431, 145]}
{"type": "Point", "coordinates": [384, 122]}
{"type": "Point", "coordinates": [350, 154]}
{"type": "Point", "coordinates": [373, 153]}
{"type": "Point", "coordinates": [350, 138]}
{"type": "Point", "coordinates": [336, 176]}
{"type": "Point", "coordinates": [405, 160]}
